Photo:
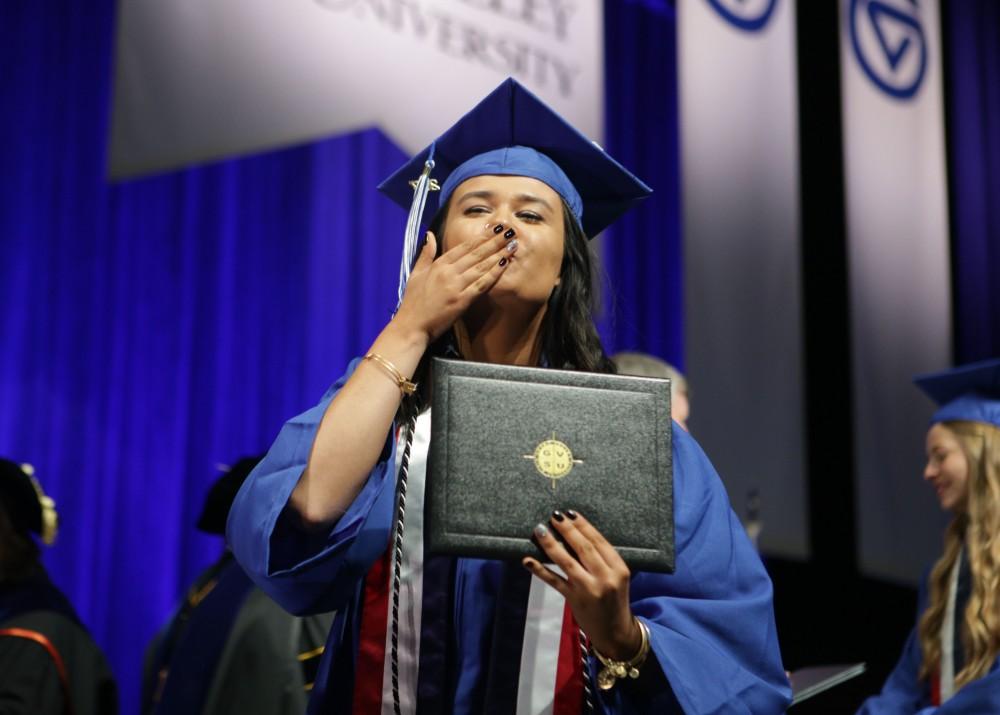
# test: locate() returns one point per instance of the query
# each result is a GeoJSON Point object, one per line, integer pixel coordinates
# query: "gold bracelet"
{"type": "Point", "coordinates": [615, 670]}
{"type": "Point", "coordinates": [404, 385]}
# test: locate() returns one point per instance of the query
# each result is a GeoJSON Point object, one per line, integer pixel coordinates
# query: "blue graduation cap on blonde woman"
{"type": "Point", "coordinates": [970, 392]}
{"type": "Point", "coordinates": [513, 133]}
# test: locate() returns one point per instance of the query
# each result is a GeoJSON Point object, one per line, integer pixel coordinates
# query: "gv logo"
{"type": "Point", "coordinates": [889, 43]}
{"type": "Point", "coordinates": [750, 15]}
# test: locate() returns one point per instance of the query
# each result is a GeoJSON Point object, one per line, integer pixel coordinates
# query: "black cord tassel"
{"type": "Point", "coordinates": [404, 469]}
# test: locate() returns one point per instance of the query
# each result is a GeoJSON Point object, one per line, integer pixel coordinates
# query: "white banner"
{"type": "Point", "coordinates": [203, 79]}
{"type": "Point", "coordinates": [743, 305]}
{"type": "Point", "coordinates": [897, 224]}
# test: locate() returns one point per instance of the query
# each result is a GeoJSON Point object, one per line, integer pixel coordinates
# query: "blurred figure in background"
{"type": "Point", "coordinates": [229, 648]}
{"type": "Point", "coordinates": [643, 365]}
{"type": "Point", "coordinates": [49, 664]}
{"type": "Point", "coordinates": [949, 664]}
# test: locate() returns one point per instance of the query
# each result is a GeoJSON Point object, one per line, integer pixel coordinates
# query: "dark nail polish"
{"type": "Point", "coordinates": [510, 233]}
{"type": "Point", "coordinates": [503, 262]}
{"type": "Point", "coordinates": [571, 514]}
{"type": "Point", "coordinates": [558, 515]}
{"type": "Point", "coordinates": [498, 228]}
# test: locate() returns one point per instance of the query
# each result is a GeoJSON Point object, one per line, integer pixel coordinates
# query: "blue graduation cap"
{"type": "Point", "coordinates": [970, 392]}
{"type": "Point", "coordinates": [512, 132]}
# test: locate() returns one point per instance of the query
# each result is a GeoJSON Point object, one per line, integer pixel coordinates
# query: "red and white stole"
{"type": "Point", "coordinates": [549, 680]}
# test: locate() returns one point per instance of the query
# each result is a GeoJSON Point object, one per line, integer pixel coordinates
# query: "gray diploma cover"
{"type": "Point", "coordinates": [511, 444]}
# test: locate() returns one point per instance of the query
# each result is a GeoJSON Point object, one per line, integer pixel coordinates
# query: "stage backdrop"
{"type": "Point", "coordinates": [642, 301]}
{"type": "Point", "coordinates": [156, 328]}
{"type": "Point", "coordinates": [742, 265]}
{"type": "Point", "coordinates": [900, 281]}
{"type": "Point", "coordinates": [973, 62]}
{"type": "Point", "coordinates": [203, 80]}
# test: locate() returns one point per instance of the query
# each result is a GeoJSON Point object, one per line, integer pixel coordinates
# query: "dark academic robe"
{"type": "Point", "coordinates": [230, 649]}
{"type": "Point", "coordinates": [714, 645]}
{"type": "Point", "coordinates": [30, 683]}
{"type": "Point", "coordinates": [905, 694]}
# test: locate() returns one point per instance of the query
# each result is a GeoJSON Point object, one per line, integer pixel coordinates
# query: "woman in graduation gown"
{"type": "Point", "coordinates": [504, 276]}
{"type": "Point", "coordinates": [949, 664]}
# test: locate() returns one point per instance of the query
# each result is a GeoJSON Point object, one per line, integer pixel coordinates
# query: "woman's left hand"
{"type": "Point", "coordinates": [596, 584]}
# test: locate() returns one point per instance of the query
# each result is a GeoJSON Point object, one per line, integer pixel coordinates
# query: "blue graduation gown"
{"type": "Point", "coordinates": [905, 694]}
{"type": "Point", "coordinates": [712, 622]}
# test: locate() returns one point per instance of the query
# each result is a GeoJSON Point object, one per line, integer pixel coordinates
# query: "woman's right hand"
{"type": "Point", "coordinates": [352, 433]}
{"type": "Point", "coordinates": [439, 291]}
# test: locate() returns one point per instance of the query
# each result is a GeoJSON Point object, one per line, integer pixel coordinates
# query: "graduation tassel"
{"type": "Point", "coordinates": [421, 186]}
{"type": "Point", "coordinates": [397, 566]}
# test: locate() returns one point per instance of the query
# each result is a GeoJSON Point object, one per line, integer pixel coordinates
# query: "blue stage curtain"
{"type": "Point", "coordinates": [643, 294]}
{"type": "Point", "coordinates": [973, 78]}
{"type": "Point", "coordinates": [156, 328]}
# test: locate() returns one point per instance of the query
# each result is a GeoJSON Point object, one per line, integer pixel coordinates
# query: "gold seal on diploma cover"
{"type": "Point", "coordinates": [553, 459]}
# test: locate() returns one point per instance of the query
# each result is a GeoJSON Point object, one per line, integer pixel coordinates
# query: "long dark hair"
{"type": "Point", "coordinates": [568, 334]}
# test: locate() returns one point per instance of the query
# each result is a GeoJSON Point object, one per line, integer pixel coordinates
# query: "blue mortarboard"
{"type": "Point", "coordinates": [970, 392]}
{"type": "Point", "coordinates": [512, 132]}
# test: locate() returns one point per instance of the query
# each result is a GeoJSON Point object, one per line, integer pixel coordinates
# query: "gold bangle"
{"type": "Point", "coordinates": [615, 670]}
{"type": "Point", "coordinates": [404, 385]}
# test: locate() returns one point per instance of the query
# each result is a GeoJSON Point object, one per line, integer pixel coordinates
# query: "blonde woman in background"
{"type": "Point", "coordinates": [949, 664]}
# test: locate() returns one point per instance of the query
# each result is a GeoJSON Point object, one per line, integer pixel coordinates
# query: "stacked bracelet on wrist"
{"type": "Point", "coordinates": [615, 670]}
{"type": "Point", "coordinates": [404, 385]}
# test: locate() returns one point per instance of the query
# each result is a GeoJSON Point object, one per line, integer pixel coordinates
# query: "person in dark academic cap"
{"type": "Point", "coordinates": [49, 664]}
{"type": "Point", "coordinates": [950, 661]}
{"type": "Point", "coordinates": [504, 276]}
{"type": "Point", "coordinates": [229, 649]}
